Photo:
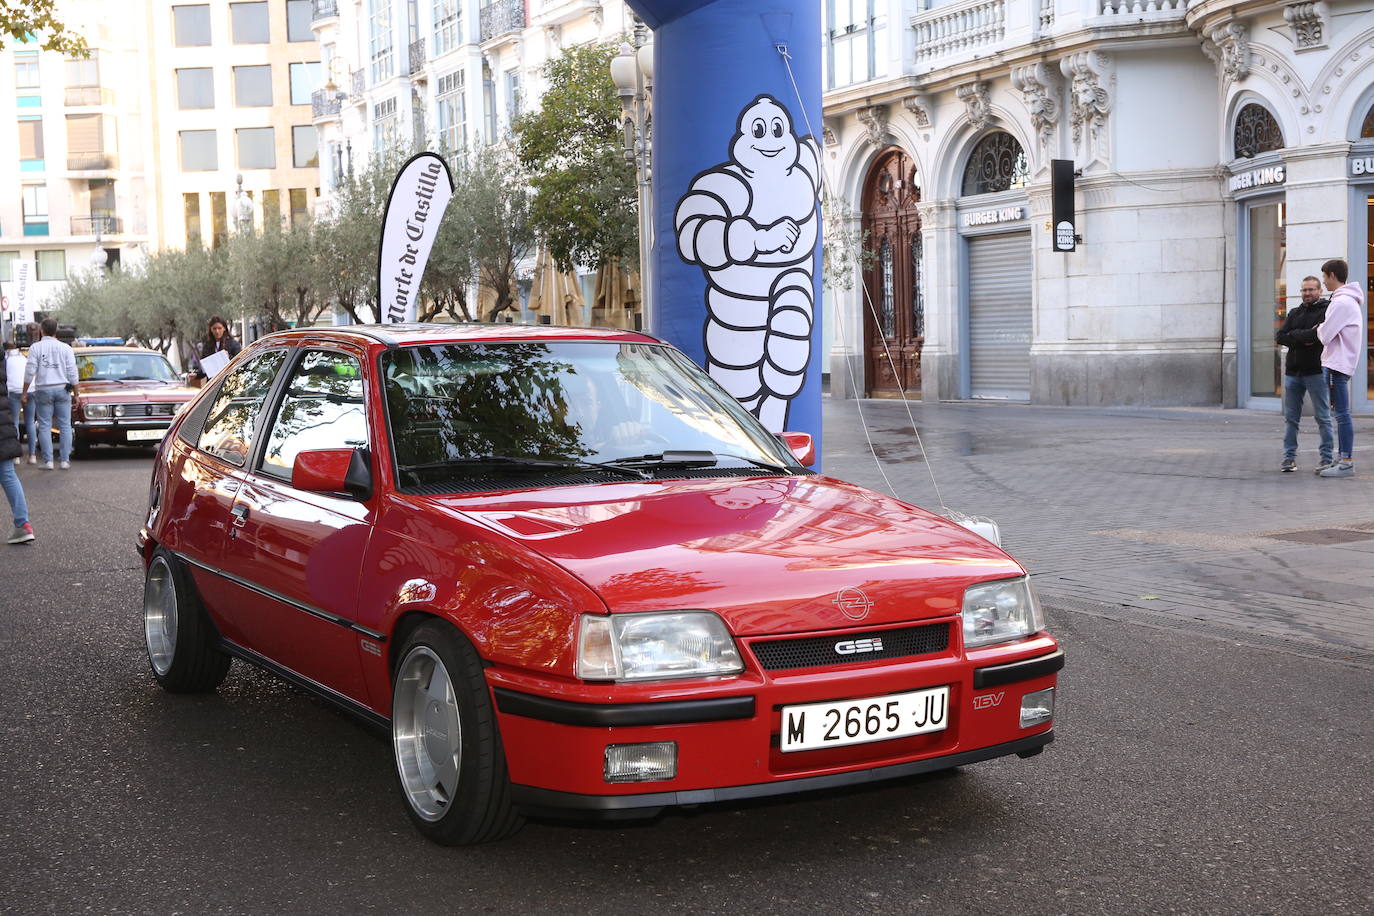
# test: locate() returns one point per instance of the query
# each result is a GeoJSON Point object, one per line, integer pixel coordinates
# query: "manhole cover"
{"type": "Point", "coordinates": [1325, 536]}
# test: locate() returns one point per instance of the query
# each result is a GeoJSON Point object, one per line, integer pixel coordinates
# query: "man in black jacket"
{"type": "Point", "coordinates": [1302, 374]}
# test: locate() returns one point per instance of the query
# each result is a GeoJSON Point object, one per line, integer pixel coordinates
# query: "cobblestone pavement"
{"type": "Point", "coordinates": [1175, 516]}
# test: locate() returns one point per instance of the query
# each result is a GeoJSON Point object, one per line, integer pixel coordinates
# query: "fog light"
{"type": "Point", "coordinates": [1037, 708]}
{"type": "Point", "coordinates": [641, 762]}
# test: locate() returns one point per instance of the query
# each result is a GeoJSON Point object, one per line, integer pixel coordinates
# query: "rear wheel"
{"type": "Point", "coordinates": [181, 640]}
{"type": "Point", "coordinates": [450, 765]}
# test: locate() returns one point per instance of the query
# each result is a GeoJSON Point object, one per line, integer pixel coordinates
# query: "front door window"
{"type": "Point", "coordinates": [1268, 298]}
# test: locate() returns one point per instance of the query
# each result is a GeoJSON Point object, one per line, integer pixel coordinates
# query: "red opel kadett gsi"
{"type": "Point", "coordinates": [569, 573]}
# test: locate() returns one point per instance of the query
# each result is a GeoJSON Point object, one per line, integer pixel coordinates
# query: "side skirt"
{"type": "Point", "coordinates": [327, 694]}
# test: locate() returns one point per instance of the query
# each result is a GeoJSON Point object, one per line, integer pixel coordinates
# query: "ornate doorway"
{"type": "Point", "coordinates": [894, 313]}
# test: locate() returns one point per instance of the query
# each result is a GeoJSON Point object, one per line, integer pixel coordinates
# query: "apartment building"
{"type": "Point", "coordinates": [1225, 150]}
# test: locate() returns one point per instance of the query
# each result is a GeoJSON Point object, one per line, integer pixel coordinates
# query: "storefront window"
{"type": "Point", "coordinates": [998, 163]}
{"type": "Point", "coordinates": [1369, 280]}
{"type": "Point", "coordinates": [1256, 132]}
{"type": "Point", "coordinates": [1268, 298]}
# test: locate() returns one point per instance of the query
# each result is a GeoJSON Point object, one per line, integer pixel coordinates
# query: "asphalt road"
{"type": "Point", "coordinates": [1190, 775]}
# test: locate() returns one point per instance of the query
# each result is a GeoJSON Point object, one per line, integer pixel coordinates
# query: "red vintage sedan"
{"type": "Point", "coordinates": [124, 396]}
{"type": "Point", "coordinates": [568, 573]}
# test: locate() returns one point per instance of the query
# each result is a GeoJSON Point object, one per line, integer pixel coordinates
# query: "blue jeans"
{"type": "Point", "coordinates": [1340, 406]}
{"type": "Point", "coordinates": [23, 414]}
{"type": "Point", "coordinates": [54, 402]}
{"type": "Point", "coordinates": [1295, 387]}
{"type": "Point", "coordinates": [9, 481]}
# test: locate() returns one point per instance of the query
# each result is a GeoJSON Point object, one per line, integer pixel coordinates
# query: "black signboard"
{"type": "Point", "coordinates": [1063, 233]}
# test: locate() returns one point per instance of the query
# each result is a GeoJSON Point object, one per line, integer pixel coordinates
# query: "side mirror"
{"type": "Point", "coordinates": [802, 445]}
{"type": "Point", "coordinates": [333, 470]}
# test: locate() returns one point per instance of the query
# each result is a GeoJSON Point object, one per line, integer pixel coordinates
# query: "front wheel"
{"type": "Point", "coordinates": [450, 765]}
{"type": "Point", "coordinates": [181, 640]}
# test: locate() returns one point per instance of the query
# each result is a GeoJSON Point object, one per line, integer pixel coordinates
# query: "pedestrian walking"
{"type": "Point", "coordinates": [218, 338]}
{"type": "Point", "coordinates": [10, 450]}
{"type": "Point", "coordinates": [1341, 334]}
{"type": "Point", "coordinates": [14, 369]}
{"type": "Point", "coordinates": [1303, 376]}
{"type": "Point", "coordinates": [49, 379]}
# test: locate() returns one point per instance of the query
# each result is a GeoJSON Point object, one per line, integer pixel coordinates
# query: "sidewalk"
{"type": "Point", "coordinates": [1176, 516]}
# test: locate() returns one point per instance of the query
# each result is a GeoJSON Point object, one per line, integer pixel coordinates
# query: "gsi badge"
{"type": "Point", "coordinates": [856, 646]}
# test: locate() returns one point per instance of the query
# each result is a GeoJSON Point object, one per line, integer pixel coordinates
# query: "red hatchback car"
{"type": "Point", "coordinates": [567, 572]}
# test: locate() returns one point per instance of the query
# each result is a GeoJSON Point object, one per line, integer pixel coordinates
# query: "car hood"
{"type": "Point", "coordinates": [770, 555]}
{"type": "Point", "coordinates": [120, 392]}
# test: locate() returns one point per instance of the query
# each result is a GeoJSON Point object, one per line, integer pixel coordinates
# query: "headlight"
{"type": "Point", "coordinates": [119, 410]}
{"type": "Point", "coordinates": [1000, 611]}
{"type": "Point", "coordinates": [178, 407]}
{"type": "Point", "coordinates": [643, 646]}
{"type": "Point", "coordinates": [96, 411]}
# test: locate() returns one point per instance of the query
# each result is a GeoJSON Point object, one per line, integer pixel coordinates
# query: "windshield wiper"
{"type": "Point", "coordinates": [693, 459]}
{"type": "Point", "coordinates": [519, 461]}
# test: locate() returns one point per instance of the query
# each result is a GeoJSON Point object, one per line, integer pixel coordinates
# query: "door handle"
{"type": "Point", "coordinates": [240, 514]}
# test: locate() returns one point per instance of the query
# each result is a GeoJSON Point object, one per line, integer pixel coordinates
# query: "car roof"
{"type": "Point", "coordinates": [400, 335]}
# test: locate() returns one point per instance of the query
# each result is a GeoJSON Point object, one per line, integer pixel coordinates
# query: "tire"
{"type": "Point", "coordinates": [81, 449]}
{"type": "Point", "coordinates": [450, 765]}
{"type": "Point", "coordinates": [181, 641]}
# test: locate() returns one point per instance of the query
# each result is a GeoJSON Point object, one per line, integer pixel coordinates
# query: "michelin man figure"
{"type": "Point", "coordinates": [752, 224]}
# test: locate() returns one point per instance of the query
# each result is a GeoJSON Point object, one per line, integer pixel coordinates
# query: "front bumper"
{"type": "Point", "coordinates": [116, 432]}
{"type": "Point", "coordinates": [726, 731]}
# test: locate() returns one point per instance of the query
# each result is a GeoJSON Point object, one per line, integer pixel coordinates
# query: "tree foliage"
{"type": "Point", "coordinates": [492, 220]}
{"type": "Point", "coordinates": [584, 191]}
{"type": "Point", "coordinates": [28, 19]}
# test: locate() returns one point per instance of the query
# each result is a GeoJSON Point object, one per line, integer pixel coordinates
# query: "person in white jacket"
{"type": "Point", "coordinates": [23, 414]}
{"type": "Point", "coordinates": [1341, 334]}
{"type": "Point", "coordinates": [50, 378]}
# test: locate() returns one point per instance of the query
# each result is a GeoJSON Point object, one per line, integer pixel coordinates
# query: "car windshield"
{"type": "Point", "coordinates": [458, 409]}
{"type": "Point", "coordinates": [109, 367]}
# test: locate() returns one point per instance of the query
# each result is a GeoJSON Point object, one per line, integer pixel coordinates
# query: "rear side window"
{"type": "Point", "coordinates": [322, 408]}
{"type": "Point", "coordinates": [228, 431]}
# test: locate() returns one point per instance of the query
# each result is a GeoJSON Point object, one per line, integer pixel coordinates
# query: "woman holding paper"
{"type": "Point", "coordinates": [218, 340]}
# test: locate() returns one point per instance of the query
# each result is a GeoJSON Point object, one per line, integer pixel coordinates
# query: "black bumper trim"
{"type": "Point", "coordinates": [998, 675]}
{"type": "Point", "coordinates": [548, 802]}
{"type": "Point", "coordinates": [613, 715]}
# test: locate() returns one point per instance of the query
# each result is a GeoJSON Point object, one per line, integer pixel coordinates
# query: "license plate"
{"type": "Point", "coordinates": [144, 435]}
{"type": "Point", "coordinates": [898, 715]}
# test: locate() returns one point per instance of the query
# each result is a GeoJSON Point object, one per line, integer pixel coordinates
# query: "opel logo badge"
{"type": "Point", "coordinates": [852, 603]}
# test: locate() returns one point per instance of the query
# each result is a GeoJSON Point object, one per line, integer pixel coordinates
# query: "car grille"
{"type": "Point", "coordinates": [145, 410]}
{"type": "Point", "coordinates": [820, 651]}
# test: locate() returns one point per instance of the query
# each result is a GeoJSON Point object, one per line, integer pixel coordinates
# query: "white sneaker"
{"type": "Point", "coordinates": [66, 465]}
{"type": "Point", "coordinates": [47, 465]}
{"type": "Point", "coordinates": [33, 459]}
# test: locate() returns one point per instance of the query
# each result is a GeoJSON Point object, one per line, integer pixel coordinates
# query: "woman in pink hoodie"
{"type": "Point", "coordinates": [1341, 336]}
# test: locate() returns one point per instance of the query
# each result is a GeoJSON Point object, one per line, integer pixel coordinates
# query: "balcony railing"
{"type": "Point", "coordinates": [325, 103]}
{"type": "Point", "coordinates": [324, 9]}
{"type": "Point", "coordinates": [1138, 8]}
{"type": "Point", "coordinates": [92, 161]}
{"type": "Point", "coordinates": [417, 56]}
{"type": "Point", "coordinates": [75, 96]}
{"type": "Point", "coordinates": [96, 225]}
{"type": "Point", "coordinates": [500, 17]}
{"type": "Point", "coordinates": [959, 29]}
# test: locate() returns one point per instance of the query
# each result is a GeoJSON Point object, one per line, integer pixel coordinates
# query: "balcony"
{"type": "Point", "coordinates": [968, 29]}
{"type": "Point", "coordinates": [324, 9]}
{"type": "Point", "coordinates": [96, 225]}
{"type": "Point", "coordinates": [78, 96]}
{"type": "Point", "coordinates": [417, 59]}
{"type": "Point", "coordinates": [94, 161]}
{"type": "Point", "coordinates": [501, 17]}
{"type": "Point", "coordinates": [325, 104]}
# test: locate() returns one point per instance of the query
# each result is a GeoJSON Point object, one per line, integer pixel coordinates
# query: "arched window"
{"type": "Point", "coordinates": [1367, 129]}
{"type": "Point", "coordinates": [997, 164]}
{"type": "Point", "coordinates": [1256, 132]}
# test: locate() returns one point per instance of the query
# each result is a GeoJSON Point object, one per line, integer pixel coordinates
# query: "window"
{"type": "Point", "coordinates": [228, 430]}
{"type": "Point", "coordinates": [856, 31]}
{"type": "Point", "coordinates": [489, 104]}
{"type": "Point", "coordinates": [253, 86]}
{"type": "Point", "coordinates": [191, 25]}
{"type": "Point", "coordinates": [323, 408]}
{"type": "Point", "coordinates": [448, 25]}
{"type": "Point", "coordinates": [305, 149]}
{"type": "Point", "coordinates": [1367, 130]}
{"type": "Point", "coordinates": [257, 147]}
{"type": "Point", "coordinates": [35, 198]}
{"type": "Point", "coordinates": [83, 71]}
{"type": "Point", "coordinates": [196, 88]}
{"type": "Point", "coordinates": [271, 208]}
{"type": "Point", "coordinates": [452, 112]}
{"type": "Point", "coordinates": [379, 40]}
{"type": "Point", "coordinates": [52, 265]}
{"type": "Point", "coordinates": [249, 23]}
{"type": "Point", "coordinates": [190, 205]}
{"type": "Point", "coordinates": [300, 207]}
{"type": "Point", "coordinates": [102, 193]}
{"type": "Point", "coordinates": [7, 261]}
{"type": "Point", "coordinates": [31, 138]}
{"type": "Point", "coordinates": [383, 124]}
{"type": "Point", "coordinates": [512, 95]}
{"type": "Point", "coordinates": [198, 152]}
{"type": "Point", "coordinates": [219, 218]}
{"type": "Point", "coordinates": [26, 69]}
{"type": "Point", "coordinates": [298, 16]}
{"type": "Point", "coordinates": [305, 79]}
{"type": "Point", "coordinates": [997, 164]}
{"type": "Point", "coordinates": [85, 135]}
{"type": "Point", "coordinates": [1256, 132]}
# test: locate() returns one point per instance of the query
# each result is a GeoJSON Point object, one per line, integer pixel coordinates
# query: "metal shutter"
{"type": "Point", "coordinates": [999, 296]}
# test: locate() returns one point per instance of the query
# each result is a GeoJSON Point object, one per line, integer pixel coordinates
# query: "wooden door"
{"type": "Point", "coordinates": [894, 308]}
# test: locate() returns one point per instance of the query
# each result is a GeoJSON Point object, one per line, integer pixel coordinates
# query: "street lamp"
{"type": "Point", "coordinates": [632, 71]}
